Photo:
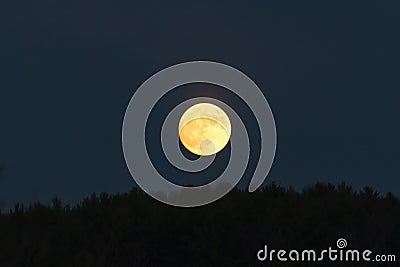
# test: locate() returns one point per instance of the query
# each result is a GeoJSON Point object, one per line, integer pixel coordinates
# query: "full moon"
{"type": "Point", "coordinates": [204, 129]}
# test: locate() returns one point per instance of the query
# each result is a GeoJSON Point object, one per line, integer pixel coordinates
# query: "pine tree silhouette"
{"type": "Point", "coordinates": [133, 229]}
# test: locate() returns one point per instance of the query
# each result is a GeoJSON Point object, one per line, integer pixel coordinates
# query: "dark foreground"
{"type": "Point", "coordinates": [134, 230]}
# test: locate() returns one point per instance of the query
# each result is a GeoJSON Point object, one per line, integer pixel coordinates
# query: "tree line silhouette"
{"type": "Point", "coordinates": [132, 229]}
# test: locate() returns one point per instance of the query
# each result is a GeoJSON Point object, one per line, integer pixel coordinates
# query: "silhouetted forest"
{"type": "Point", "coordinates": [133, 229]}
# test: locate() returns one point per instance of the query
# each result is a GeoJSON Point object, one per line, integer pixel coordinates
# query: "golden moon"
{"type": "Point", "coordinates": [204, 129]}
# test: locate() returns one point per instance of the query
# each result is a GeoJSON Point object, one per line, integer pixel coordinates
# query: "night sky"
{"type": "Point", "coordinates": [329, 69]}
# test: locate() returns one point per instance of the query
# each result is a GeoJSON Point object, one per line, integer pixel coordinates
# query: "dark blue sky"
{"type": "Point", "coordinates": [330, 70]}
